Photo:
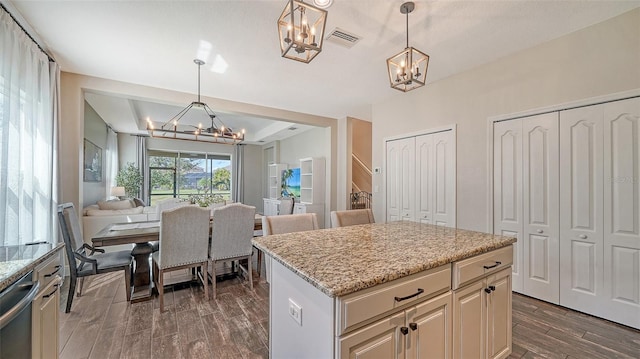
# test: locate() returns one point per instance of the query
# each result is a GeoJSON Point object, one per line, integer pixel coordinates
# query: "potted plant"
{"type": "Point", "coordinates": [130, 178]}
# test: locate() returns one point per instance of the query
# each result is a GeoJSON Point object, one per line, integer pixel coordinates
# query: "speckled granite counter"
{"type": "Point", "coordinates": [340, 261]}
{"type": "Point", "coordinates": [16, 261]}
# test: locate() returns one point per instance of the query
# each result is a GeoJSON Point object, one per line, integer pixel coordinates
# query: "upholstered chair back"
{"type": "Point", "coordinates": [351, 217]}
{"type": "Point", "coordinates": [184, 236]}
{"type": "Point", "coordinates": [232, 231]}
{"type": "Point", "coordinates": [289, 223]}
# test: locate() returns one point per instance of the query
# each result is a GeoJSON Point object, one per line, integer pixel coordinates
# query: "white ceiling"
{"type": "Point", "coordinates": [153, 43]}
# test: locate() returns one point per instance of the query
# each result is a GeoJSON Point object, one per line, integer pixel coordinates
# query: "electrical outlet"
{"type": "Point", "coordinates": [295, 312]}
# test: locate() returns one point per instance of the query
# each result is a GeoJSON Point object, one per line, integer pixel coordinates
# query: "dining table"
{"type": "Point", "coordinates": [142, 235]}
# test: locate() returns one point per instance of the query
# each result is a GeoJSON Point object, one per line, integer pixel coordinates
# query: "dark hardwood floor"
{"type": "Point", "coordinates": [235, 325]}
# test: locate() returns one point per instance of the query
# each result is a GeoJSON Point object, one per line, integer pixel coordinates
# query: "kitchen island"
{"type": "Point", "coordinates": [389, 290]}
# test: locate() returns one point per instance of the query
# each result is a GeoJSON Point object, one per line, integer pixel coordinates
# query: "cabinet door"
{"type": "Point", "coordinates": [430, 324]}
{"type": "Point", "coordinates": [622, 212]}
{"type": "Point", "coordinates": [424, 179]}
{"type": "Point", "coordinates": [382, 339]}
{"type": "Point", "coordinates": [444, 178]}
{"type": "Point", "coordinates": [507, 189]}
{"type": "Point", "coordinates": [499, 315]}
{"type": "Point", "coordinates": [540, 182]}
{"type": "Point", "coordinates": [45, 321]}
{"type": "Point", "coordinates": [469, 321]}
{"type": "Point", "coordinates": [581, 208]}
{"type": "Point", "coordinates": [400, 184]}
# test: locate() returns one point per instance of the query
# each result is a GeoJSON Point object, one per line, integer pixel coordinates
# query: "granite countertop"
{"type": "Point", "coordinates": [16, 261]}
{"type": "Point", "coordinates": [339, 261]}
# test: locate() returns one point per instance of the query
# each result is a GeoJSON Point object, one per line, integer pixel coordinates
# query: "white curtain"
{"type": "Point", "coordinates": [111, 162]}
{"type": "Point", "coordinates": [141, 155]}
{"type": "Point", "coordinates": [28, 153]}
{"type": "Point", "coordinates": [237, 171]}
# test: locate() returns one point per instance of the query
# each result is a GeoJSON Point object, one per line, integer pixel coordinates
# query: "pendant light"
{"type": "Point", "coordinates": [408, 69]}
{"type": "Point", "coordinates": [301, 30]}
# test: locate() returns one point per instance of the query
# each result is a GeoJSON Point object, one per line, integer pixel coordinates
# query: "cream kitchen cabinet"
{"type": "Point", "coordinates": [45, 308]}
{"type": "Point", "coordinates": [482, 305]}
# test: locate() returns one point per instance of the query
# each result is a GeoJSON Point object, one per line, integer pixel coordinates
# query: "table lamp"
{"type": "Point", "coordinates": [118, 192]}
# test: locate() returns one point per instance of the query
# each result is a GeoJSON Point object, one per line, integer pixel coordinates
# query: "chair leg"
{"type": "Point", "coordinates": [72, 292]}
{"type": "Point", "coordinates": [160, 283]}
{"type": "Point", "coordinates": [127, 282]}
{"type": "Point", "coordinates": [203, 276]}
{"type": "Point", "coordinates": [81, 284]}
{"type": "Point", "coordinates": [213, 278]}
{"type": "Point", "coordinates": [250, 270]}
{"type": "Point", "coordinates": [259, 262]}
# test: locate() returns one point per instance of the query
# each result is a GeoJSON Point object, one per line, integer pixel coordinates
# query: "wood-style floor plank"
{"type": "Point", "coordinates": [236, 324]}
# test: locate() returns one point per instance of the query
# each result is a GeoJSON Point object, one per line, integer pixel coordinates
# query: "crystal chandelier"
{"type": "Point", "coordinates": [216, 133]}
{"type": "Point", "coordinates": [301, 30]}
{"type": "Point", "coordinates": [408, 69]}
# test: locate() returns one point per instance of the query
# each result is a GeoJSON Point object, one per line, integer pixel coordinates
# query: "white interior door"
{"type": "Point", "coordinates": [392, 168]}
{"type": "Point", "coordinates": [581, 209]}
{"type": "Point", "coordinates": [622, 212]}
{"type": "Point", "coordinates": [424, 178]}
{"type": "Point", "coordinates": [507, 189]}
{"type": "Point", "coordinates": [540, 183]}
{"type": "Point", "coordinates": [444, 178]}
{"type": "Point", "coordinates": [407, 152]}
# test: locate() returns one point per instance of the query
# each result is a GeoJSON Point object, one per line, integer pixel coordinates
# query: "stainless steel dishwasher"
{"type": "Point", "coordinates": [15, 318]}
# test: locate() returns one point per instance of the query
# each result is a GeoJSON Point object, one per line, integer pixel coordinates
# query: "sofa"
{"type": "Point", "coordinates": [97, 216]}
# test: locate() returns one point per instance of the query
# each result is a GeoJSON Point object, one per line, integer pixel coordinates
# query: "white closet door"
{"type": "Point", "coordinates": [540, 182]}
{"type": "Point", "coordinates": [507, 189]}
{"type": "Point", "coordinates": [400, 169]}
{"type": "Point", "coordinates": [393, 173]}
{"type": "Point", "coordinates": [622, 212]}
{"type": "Point", "coordinates": [424, 178]}
{"type": "Point", "coordinates": [581, 209]}
{"type": "Point", "coordinates": [444, 179]}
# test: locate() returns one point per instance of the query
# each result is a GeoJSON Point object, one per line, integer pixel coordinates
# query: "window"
{"type": "Point", "coordinates": [180, 175]}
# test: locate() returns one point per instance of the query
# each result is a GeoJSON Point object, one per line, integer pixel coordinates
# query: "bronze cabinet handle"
{"type": "Point", "coordinates": [493, 266]}
{"type": "Point", "coordinates": [400, 299]}
{"type": "Point", "coordinates": [404, 330]}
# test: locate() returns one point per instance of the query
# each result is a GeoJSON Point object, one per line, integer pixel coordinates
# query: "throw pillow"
{"type": "Point", "coordinates": [109, 205]}
{"type": "Point", "coordinates": [137, 202]}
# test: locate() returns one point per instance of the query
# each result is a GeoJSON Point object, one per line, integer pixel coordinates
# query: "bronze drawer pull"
{"type": "Point", "coordinates": [404, 330]}
{"type": "Point", "coordinates": [54, 272]}
{"type": "Point", "coordinates": [493, 266]}
{"type": "Point", "coordinates": [55, 289]}
{"type": "Point", "coordinates": [400, 299]}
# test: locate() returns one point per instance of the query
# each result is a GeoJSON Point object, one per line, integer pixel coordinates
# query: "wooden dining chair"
{"type": "Point", "coordinates": [351, 217]}
{"type": "Point", "coordinates": [285, 224]}
{"type": "Point", "coordinates": [183, 243]}
{"type": "Point", "coordinates": [231, 234]}
{"type": "Point", "coordinates": [85, 260]}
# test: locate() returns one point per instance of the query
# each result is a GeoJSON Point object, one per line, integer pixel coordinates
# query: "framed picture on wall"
{"type": "Point", "coordinates": [92, 162]}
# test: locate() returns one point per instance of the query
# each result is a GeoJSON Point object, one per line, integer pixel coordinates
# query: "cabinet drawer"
{"type": "Point", "coordinates": [46, 271]}
{"type": "Point", "coordinates": [358, 307]}
{"type": "Point", "coordinates": [472, 268]}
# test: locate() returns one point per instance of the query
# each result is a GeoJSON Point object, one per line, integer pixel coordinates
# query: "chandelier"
{"type": "Point", "coordinates": [215, 133]}
{"type": "Point", "coordinates": [408, 69]}
{"type": "Point", "coordinates": [301, 30]}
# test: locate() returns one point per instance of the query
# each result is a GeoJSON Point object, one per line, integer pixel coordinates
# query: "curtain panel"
{"type": "Point", "coordinates": [111, 160]}
{"type": "Point", "coordinates": [28, 154]}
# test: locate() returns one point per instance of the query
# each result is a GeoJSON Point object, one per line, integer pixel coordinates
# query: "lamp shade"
{"type": "Point", "coordinates": [117, 191]}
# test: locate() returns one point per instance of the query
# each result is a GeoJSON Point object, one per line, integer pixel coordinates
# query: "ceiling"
{"type": "Point", "coordinates": [153, 43]}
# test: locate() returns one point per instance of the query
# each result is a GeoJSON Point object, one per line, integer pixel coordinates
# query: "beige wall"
{"type": "Point", "coordinates": [73, 87]}
{"type": "Point", "coordinates": [598, 60]}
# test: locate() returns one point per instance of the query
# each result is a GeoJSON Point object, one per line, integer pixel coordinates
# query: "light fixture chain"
{"type": "Point", "coordinates": [199, 81]}
{"type": "Point", "coordinates": [407, 30]}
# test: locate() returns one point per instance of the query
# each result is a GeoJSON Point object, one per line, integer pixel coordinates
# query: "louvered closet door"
{"type": "Point", "coordinates": [400, 186]}
{"type": "Point", "coordinates": [507, 189]}
{"type": "Point", "coordinates": [622, 212]}
{"type": "Point", "coordinates": [581, 209]}
{"type": "Point", "coordinates": [424, 178]}
{"type": "Point", "coordinates": [444, 178]}
{"type": "Point", "coordinates": [540, 183]}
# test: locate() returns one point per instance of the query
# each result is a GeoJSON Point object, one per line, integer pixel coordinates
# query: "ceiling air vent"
{"type": "Point", "coordinates": [342, 38]}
